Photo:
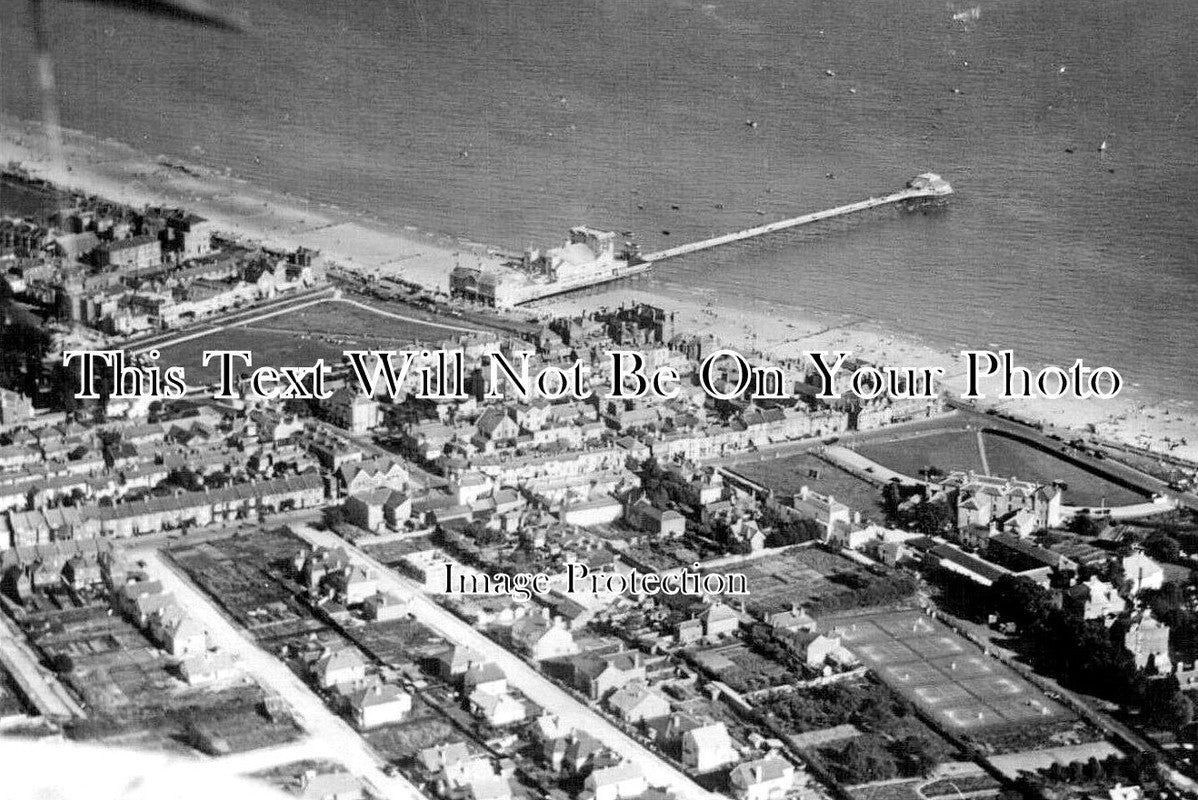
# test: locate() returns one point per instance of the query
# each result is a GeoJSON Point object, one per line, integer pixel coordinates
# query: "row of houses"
{"type": "Point", "coordinates": [156, 514]}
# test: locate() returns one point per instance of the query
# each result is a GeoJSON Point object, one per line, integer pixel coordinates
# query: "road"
{"type": "Point", "coordinates": [309, 710]}
{"type": "Point", "coordinates": [519, 674]}
{"type": "Point", "coordinates": [35, 681]}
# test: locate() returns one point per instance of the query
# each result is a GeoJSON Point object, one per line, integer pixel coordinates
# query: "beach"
{"type": "Point", "coordinates": [113, 170]}
{"type": "Point", "coordinates": [355, 239]}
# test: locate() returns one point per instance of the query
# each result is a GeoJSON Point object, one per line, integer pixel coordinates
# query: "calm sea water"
{"type": "Point", "coordinates": [509, 122]}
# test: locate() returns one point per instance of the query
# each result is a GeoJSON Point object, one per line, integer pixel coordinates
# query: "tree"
{"type": "Point", "coordinates": [1167, 704]}
{"type": "Point", "coordinates": [1083, 524]}
{"type": "Point", "coordinates": [866, 759]}
{"type": "Point", "coordinates": [1094, 770]}
{"type": "Point", "coordinates": [915, 754]}
{"type": "Point", "coordinates": [1162, 547]}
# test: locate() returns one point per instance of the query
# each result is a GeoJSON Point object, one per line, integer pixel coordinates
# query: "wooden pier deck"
{"type": "Point", "coordinates": [927, 186]}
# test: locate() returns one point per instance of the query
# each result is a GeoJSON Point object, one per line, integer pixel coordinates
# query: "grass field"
{"type": "Point", "coordinates": [947, 451]}
{"type": "Point", "coordinates": [274, 349]}
{"type": "Point", "coordinates": [788, 475]}
{"type": "Point", "coordinates": [959, 450]}
{"type": "Point", "coordinates": [298, 338]}
{"type": "Point", "coordinates": [1008, 458]}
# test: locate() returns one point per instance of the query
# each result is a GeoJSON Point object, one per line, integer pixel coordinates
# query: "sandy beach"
{"type": "Point", "coordinates": [114, 170]}
{"type": "Point", "coordinates": [1162, 428]}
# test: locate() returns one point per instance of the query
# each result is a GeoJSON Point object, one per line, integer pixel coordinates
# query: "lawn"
{"type": "Point", "coordinates": [951, 451]}
{"type": "Point", "coordinates": [267, 348]}
{"type": "Point", "coordinates": [357, 327]}
{"type": "Point", "coordinates": [947, 451]}
{"type": "Point", "coordinates": [1013, 459]}
{"type": "Point", "coordinates": [298, 338]}
{"type": "Point", "coordinates": [788, 475]}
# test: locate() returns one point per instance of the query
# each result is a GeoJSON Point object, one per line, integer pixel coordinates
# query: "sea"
{"type": "Point", "coordinates": [1069, 130]}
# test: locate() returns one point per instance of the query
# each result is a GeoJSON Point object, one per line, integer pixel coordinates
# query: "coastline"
{"type": "Point", "coordinates": [120, 172]}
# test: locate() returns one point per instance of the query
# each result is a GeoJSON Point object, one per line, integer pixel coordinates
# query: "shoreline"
{"type": "Point", "coordinates": [119, 172]}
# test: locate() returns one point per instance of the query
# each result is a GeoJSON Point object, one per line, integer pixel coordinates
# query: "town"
{"type": "Point", "coordinates": [826, 588]}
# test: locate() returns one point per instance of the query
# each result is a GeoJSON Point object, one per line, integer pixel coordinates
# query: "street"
{"type": "Point", "coordinates": [335, 734]}
{"type": "Point", "coordinates": [519, 674]}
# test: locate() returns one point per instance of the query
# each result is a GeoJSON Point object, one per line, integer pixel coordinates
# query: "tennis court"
{"type": "Point", "coordinates": [944, 674]}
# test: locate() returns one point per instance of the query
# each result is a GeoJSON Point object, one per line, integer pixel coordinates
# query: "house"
{"type": "Point", "coordinates": [582, 750]}
{"type": "Point", "coordinates": [826, 510]}
{"type": "Point", "coordinates": [488, 787]}
{"type": "Point", "coordinates": [320, 563]}
{"type": "Point", "coordinates": [1142, 572]}
{"type": "Point", "coordinates": [397, 509]}
{"type": "Point", "coordinates": [337, 667]}
{"type": "Point", "coordinates": [852, 536]}
{"type": "Point", "coordinates": [620, 782]}
{"type": "Point", "coordinates": [602, 510]}
{"type": "Point", "coordinates": [80, 572]}
{"type": "Point", "coordinates": [365, 508]}
{"type": "Point", "coordinates": [207, 668]}
{"type": "Point", "coordinates": [689, 631]}
{"type": "Point", "coordinates": [497, 709]}
{"type": "Point", "coordinates": [141, 599]}
{"type": "Point", "coordinates": [1095, 599]}
{"type": "Point", "coordinates": [14, 407]}
{"type": "Point", "coordinates": [747, 532]}
{"type": "Point", "coordinates": [792, 621]}
{"type": "Point", "coordinates": [708, 748]}
{"type": "Point", "coordinates": [190, 235]}
{"type": "Point", "coordinates": [454, 661]}
{"type": "Point", "coordinates": [982, 500]}
{"type": "Point", "coordinates": [453, 764]}
{"type": "Point", "coordinates": [381, 704]}
{"type": "Point", "coordinates": [361, 476]}
{"type": "Point", "coordinates": [636, 702]}
{"type": "Point", "coordinates": [182, 636]}
{"type": "Point", "coordinates": [720, 620]}
{"type": "Point", "coordinates": [542, 637]}
{"type": "Point", "coordinates": [495, 426]}
{"type": "Point", "coordinates": [354, 584]}
{"type": "Point", "coordinates": [384, 607]}
{"type": "Point", "coordinates": [484, 677]}
{"type": "Point", "coordinates": [135, 253]}
{"type": "Point", "coordinates": [827, 651]}
{"type": "Point", "coordinates": [353, 411]}
{"type": "Point", "coordinates": [1147, 639]}
{"type": "Point", "coordinates": [644, 516]}
{"type": "Point", "coordinates": [598, 676]}
{"type": "Point", "coordinates": [669, 730]}
{"type": "Point", "coordinates": [1121, 792]}
{"type": "Point", "coordinates": [769, 778]}
{"type": "Point", "coordinates": [330, 786]}
{"type": "Point", "coordinates": [471, 487]}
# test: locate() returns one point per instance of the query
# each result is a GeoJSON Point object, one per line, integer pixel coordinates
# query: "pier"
{"type": "Point", "coordinates": [925, 187]}
{"type": "Point", "coordinates": [589, 257]}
